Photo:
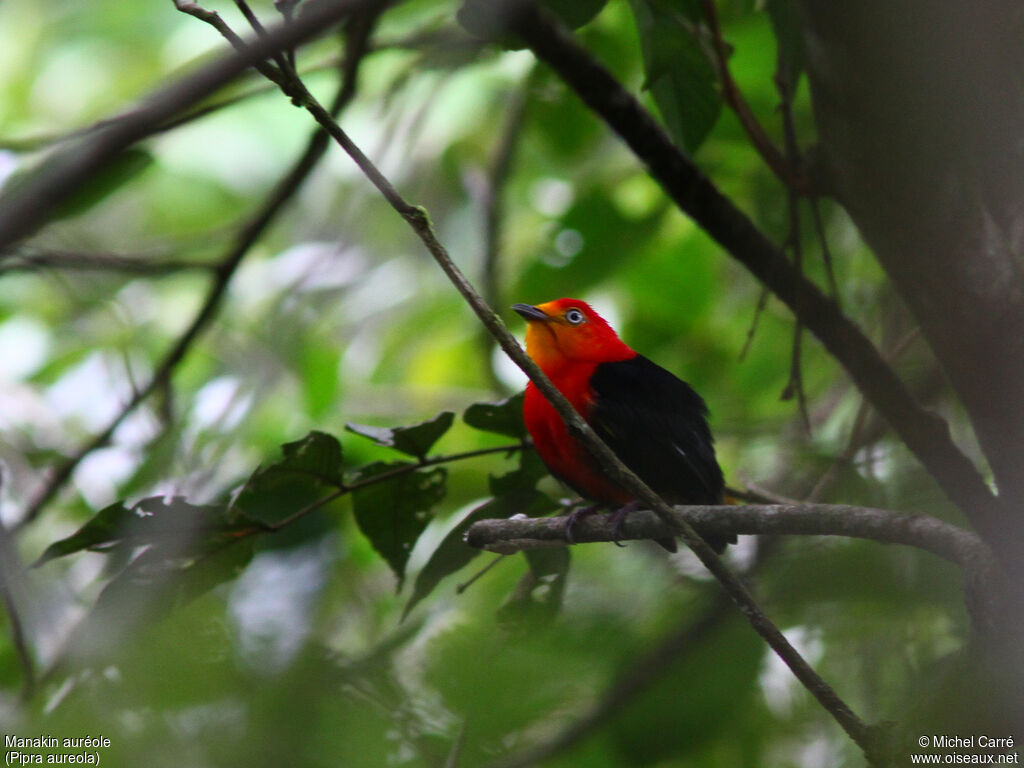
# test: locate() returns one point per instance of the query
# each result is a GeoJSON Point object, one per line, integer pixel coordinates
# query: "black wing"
{"type": "Point", "coordinates": [657, 425]}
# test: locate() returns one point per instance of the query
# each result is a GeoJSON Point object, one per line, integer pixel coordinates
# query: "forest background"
{"type": "Point", "coordinates": [250, 406]}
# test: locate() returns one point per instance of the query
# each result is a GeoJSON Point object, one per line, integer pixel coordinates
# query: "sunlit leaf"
{"type": "Point", "coordinates": [392, 513]}
{"type": "Point", "coordinates": [415, 439]}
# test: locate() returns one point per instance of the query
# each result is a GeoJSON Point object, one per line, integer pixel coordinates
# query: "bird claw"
{"type": "Point", "coordinates": [574, 516]}
{"type": "Point", "coordinates": [619, 517]}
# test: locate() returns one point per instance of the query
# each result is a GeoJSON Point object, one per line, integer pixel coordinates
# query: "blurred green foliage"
{"type": "Point", "coordinates": [291, 649]}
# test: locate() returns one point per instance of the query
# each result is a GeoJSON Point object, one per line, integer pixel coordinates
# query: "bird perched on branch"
{"type": "Point", "coordinates": [653, 421]}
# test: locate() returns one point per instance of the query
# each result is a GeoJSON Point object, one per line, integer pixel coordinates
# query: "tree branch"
{"type": "Point", "coordinates": [924, 433]}
{"type": "Point", "coordinates": [788, 172]}
{"type": "Point", "coordinates": [32, 259]}
{"type": "Point", "coordinates": [418, 219]}
{"type": "Point", "coordinates": [949, 542]}
{"type": "Point", "coordinates": [25, 209]}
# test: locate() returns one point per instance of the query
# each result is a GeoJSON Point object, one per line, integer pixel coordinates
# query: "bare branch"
{"type": "Point", "coordinates": [949, 542]}
{"type": "Point", "coordinates": [32, 259]}
{"type": "Point", "coordinates": [787, 169]}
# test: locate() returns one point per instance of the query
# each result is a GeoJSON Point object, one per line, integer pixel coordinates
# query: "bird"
{"type": "Point", "coordinates": [652, 420]}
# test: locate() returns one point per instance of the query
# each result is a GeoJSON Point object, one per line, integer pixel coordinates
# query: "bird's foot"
{"type": "Point", "coordinates": [619, 517]}
{"type": "Point", "coordinates": [575, 516]}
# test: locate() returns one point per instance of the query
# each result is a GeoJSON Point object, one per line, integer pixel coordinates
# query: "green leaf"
{"type": "Point", "coordinates": [574, 13]}
{"type": "Point", "coordinates": [415, 439]}
{"type": "Point", "coordinates": [488, 20]}
{"type": "Point", "coordinates": [680, 76]}
{"type": "Point", "coordinates": [538, 595]}
{"type": "Point", "coordinates": [453, 553]}
{"type": "Point", "coordinates": [310, 470]}
{"type": "Point", "coordinates": [392, 513]}
{"type": "Point", "coordinates": [789, 38]}
{"type": "Point", "coordinates": [150, 521]}
{"type": "Point", "coordinates": [504, 417]}
{"type": "Point", "coordinates": [165, 577]}
{"type": "Point", "coordinates": [697, 696]}
{"type": "Point", "coordinates": [530, 470]}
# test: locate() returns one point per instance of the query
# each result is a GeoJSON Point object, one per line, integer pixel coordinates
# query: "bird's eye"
{"type": "Point", "coordinates": [574, 317]}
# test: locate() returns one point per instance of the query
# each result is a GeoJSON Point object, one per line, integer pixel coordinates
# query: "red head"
{"type": "Point", "coordinates": [568, 331]}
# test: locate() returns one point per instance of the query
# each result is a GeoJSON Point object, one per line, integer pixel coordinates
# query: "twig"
{"type": "Point", "coordinates": [452, 761]}
{"type": "Point", "coordinates": [491, 194]}
{"type": "Point", "coordinates": [957, 545]}
{"type": "Point", "coordinates": [225, 270]}
{"type": "Point", "coordinates": [795, 385]}
{"type": "Point", "coordinates": [25, 209]}
{"type": "Point", "coordinates": [497, 176]}
{"type": "Point", "coordinates": [384, 477]}
{"type": "Point", "coordinates": [29, 260]}
{"type": "Point", "coordinates": [826, 252]}
{"type": "Point", "coordinates": [788, 172]}
{"type": "Point", "coordinates": [924, 433]}
{"type": "Point", "coordinates": [417, 218]}
{"type": "Point", "coordinates": [762, 302]}
{"type": "Point", "coordinates": [460, 588]}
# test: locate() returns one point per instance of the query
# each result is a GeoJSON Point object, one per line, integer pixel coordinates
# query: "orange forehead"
{"type": "Point", "coordinates": [557, 341]}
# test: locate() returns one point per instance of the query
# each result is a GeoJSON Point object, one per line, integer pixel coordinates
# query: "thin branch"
{"type": "Point", "coordinates": [930, 534]}
{"type": "Point", "coordinates": [621, 475]}
{"type": "Point", "coordinates": [33, 259]}
{"type": "Point", "coordinates": [493, 193]}
{"type": "Point", "coordinates": [446, 39]}
{"type": "Point", "coordinates": [788, 172]}
{"type": "Point", "coordinates": [826, 252]}
{"type": "Point", "coordinates": [382, 478]}
{"type": "Point", "coordinates": [490, 193]}
{"type": "Point", "coordinates": [225, 270]}
{"type": "Point", "coordinates": [795, 385]}
{"type": "Point", "coordinates": [762, 302]}
{"type": "Point", "coordinates": [462, 587]}
{"type": "Point", "coordinates": [925, 433]}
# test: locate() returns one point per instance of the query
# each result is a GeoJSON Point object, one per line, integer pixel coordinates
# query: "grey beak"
{"type": "Point", "coordinates": [529, 312]}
